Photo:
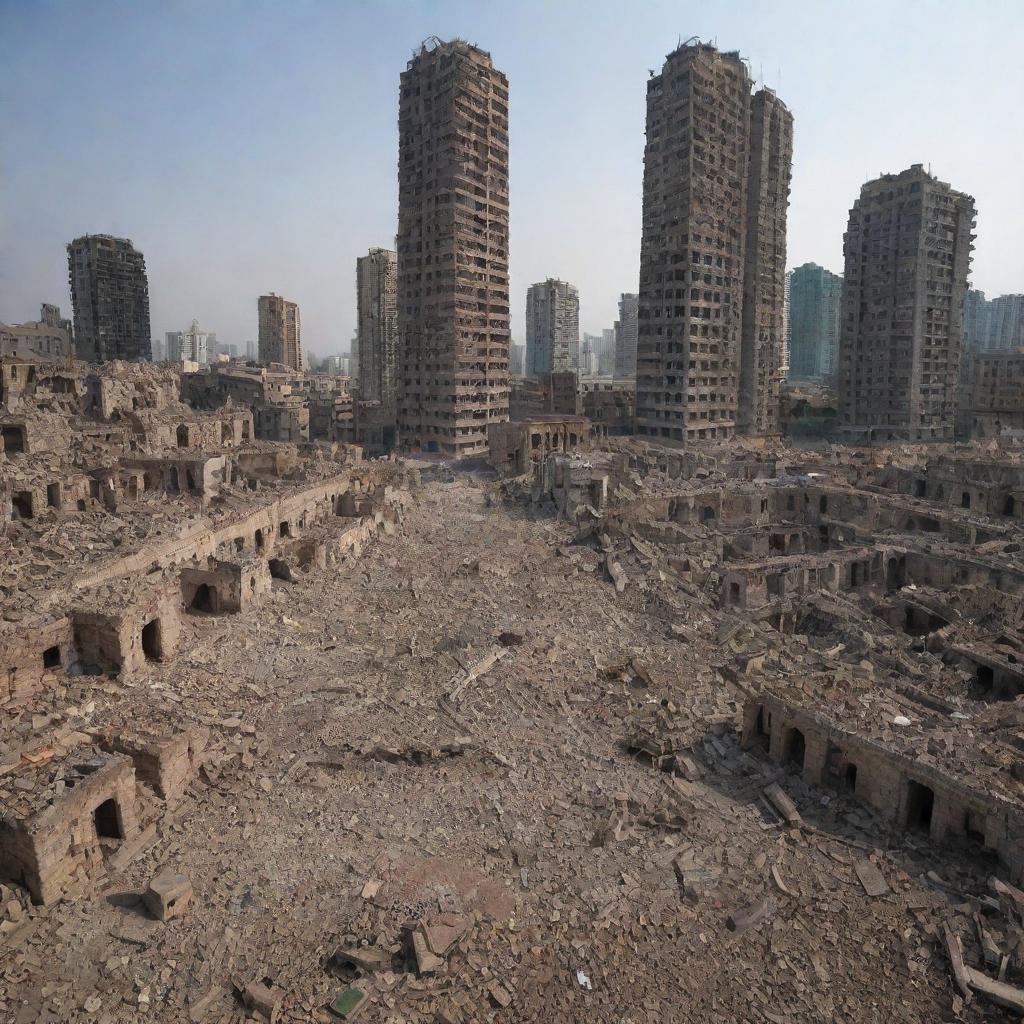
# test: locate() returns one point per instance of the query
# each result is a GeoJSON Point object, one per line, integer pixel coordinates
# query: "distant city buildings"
{"type": "Point", "coordinates": [606, 359]}
{"type": "Point", "coordinates": [625, 336]}
{"type": "Point", "coordinates": [1006, 323]}
{"type": "Point", "coordinates": [250, 350]}
{"type": "Point", "coordinates": [49, 337]}
{"type": "Point", "coordinates": [192, 345]}
{"type": "Point", "coordinates": [109, 298]}
{"type": "Point", "coordinates": [552, 327]}
{"type": "Point", "coordinates": [907, 250]}
{"type": "Point", "coordinates": [993, 325]}
{"type": "Point", "coordinates": [815, 307]}
{"type": "Point", "coordinates": [517, 360]}
{"type": "Point", "coordinates": [280, 332]}
{"type": "Point", "coordinates": [453, 292]}
{"type": "Point", "coordinates": [716, 188]}
{"type": "Point", "coordinates": [377, 315]}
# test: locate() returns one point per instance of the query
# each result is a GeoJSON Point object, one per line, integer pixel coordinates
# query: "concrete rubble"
{"type": "Point", "coordinates": [401, 748]}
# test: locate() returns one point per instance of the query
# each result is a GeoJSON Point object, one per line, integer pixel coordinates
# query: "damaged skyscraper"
{"type": "Point", "coordinates": [280, 331]}
{"type": "Point", "coordinates": [552, 328]}
{"type": "Point", "coordinates": [763, 336]}
{"type": "Point", "coordinates": [453, 292]}
{"type": "Point", "coordinates": [110, 299]}
{"type": "Point", "coordinates": [376, 299]}
{"type": "Point", "coordinates": [908, 253]}
{"type": "Point", "coordinates": [716, 188]}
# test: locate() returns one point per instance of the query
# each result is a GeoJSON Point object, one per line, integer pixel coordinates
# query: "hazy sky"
{"type": "Point", "coordinates": [249, 146]}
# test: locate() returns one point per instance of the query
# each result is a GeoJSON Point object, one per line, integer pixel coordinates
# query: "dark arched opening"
{"type": "Point", "coordinates": [107, 819]}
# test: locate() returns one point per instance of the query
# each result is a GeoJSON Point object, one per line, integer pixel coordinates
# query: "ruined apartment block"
{"type": "Point", "coordinates": [110, 299]}
{"type": "Point", "coordinates": [763, 340]}
{"type": "Point", "coordinates": [280, 339]}
{"type": "Point", "coordinates": [49, 337]}
{"type": "Point", "coordinates": [377, 312]}
{"type": "Point", "coordinates": [992, 400]}
{"type": "Point", "coordinates": [697, 167]}
{"type": "Point", "coordinates": [552, 327]}
{"type": "Point", "coordinates": [453, 291]}
{"type": "Point", "coordinates": [907, 249]}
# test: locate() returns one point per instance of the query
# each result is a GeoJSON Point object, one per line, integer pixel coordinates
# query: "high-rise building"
{"type": "Point", "coordinates": [377, 311]}
{"type": "Point", "coordinates": [453, 294]}
{"type": "Point", "coordinates": [1005, 323]}
{"type": "Point", "coordinates": [250, 349]}
{"type": "Point", "coordinates": [280, 331]}
{"type": "Point", "coordinates": [713, 189]}
{"type": "Point", "coordinates": [191, 345]}
{"type": "Point", "coordinates": [626, 336]}
{"type": "Point", "coordinates": [516, 359]}
{"type": "Point", "coordinates": [110, 299]}
{"type": "Point", "coordinates": [977, 314]}
{"type": "Point", "coordinates": [907, 249]}
{"type": "Point", "coordinates": [763, 335]}
{"type": "Point", "coordinates": [552, 327]}
{"type": "Point", "coordinates": [606, 361]}
{"type": "Point", "coordinates": [815, 302]}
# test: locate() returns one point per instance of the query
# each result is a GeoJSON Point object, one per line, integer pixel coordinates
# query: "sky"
{"type": "Point", "coordinates": [248, 146]}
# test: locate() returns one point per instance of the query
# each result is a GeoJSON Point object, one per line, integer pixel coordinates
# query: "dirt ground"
{"type": "Point", "coordinates": [359, 784]}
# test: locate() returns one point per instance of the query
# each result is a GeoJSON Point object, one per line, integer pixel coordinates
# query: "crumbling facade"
{"type": "Point", "coordinates": [280, 334]}
{"type": "Point", "coordinates": [699, 220]}
{"type": "Point", "coordinates": [49, 337]}
{"type": "Point", "coordinates": [453, 292]}
{"type": "Point", "coordinates": [377, 313]}
{"type": "Point", "coordinates": [992, 401]}
{"type": "Point", "coordinates": [552, 327]}
{"type": "Point", "coordinates": [907, 249]}
{"type": "Point", "coordinates": [110, 299]}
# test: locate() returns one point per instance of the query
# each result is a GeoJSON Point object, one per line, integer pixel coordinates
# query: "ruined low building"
{"type": "Point", "coordinates": [60, 815]}
{"type": "Point", "coordinates": [515, 446]}
{"type": "Point", "coordinates": [937, 782]}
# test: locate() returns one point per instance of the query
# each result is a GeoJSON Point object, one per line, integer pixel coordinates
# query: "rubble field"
{"type": "Point", "coordinates": [434, 788]}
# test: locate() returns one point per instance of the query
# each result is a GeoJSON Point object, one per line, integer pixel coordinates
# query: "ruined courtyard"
{"type": "Point", "coordinates": [639, 734]}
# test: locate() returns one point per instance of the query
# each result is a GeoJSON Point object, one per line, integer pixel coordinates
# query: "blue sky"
{"type": "Point", "coordinates": [251, 146]}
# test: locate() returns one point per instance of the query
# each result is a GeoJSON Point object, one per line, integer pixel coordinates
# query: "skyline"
{"type": "Point", "coordinates": [235, 181]}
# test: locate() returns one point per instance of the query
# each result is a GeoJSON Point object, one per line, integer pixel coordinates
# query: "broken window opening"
{"type": "Point", "coordinates": [284, 529]}
{"type": "Point", "coordinates": [258, 540]}
{"type": "Point", "coordinates": [107, 819]}
{"type": "Point", "coordinates": [14, 439]}
{"type": "Point", "coordinates": [151, 640]}
{"type": "Point", "coordinates": [204, 599]}
{"type": "Point", "coordinates": [21, 505]}
{"type": "Point", "coordinates": [796, 747]}
{"type": "Point", "coordinates": [51, 657]}
{"type": "Point", "coordinates": [279, 570]}
{"type": "Point", "coordinates": [920, 804]}
{"type": "Point", "coordinates": [965, 499]}
{"type": "Point", "coordinates": [182, 436]}
{"type": "Point", "coordinates": [53, 495]}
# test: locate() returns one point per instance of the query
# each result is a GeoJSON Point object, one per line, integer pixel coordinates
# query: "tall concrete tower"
{"type": "Point", "coordinates": [110, 299]}
{"type": "Point", "coordinates": [907, 251]}
{"type": "Point", "coordinates": [453, 292]}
